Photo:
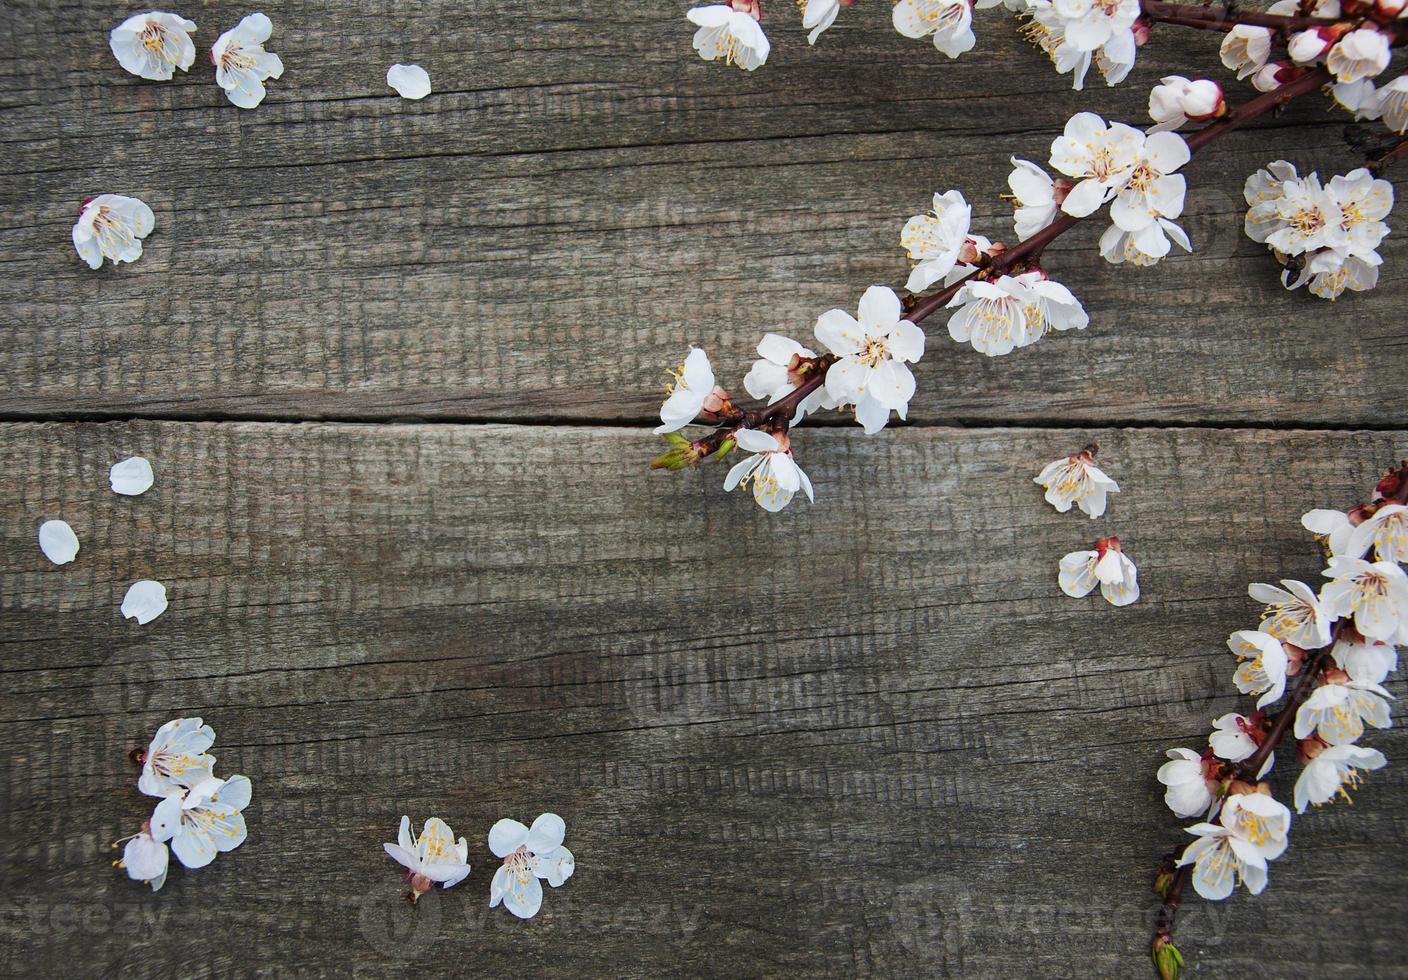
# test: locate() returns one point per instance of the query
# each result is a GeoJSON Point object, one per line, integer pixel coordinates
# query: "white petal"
{"type": "Point", "coordinates": [546, 834]}
{"type": "Point", "coordinates": [58, 542]}
{"type": "Point", "coordinates": [409, 81]}
{"type": "Point", "coordinates": [507, 836]}
{"type": "Point", "coordinates": [145, 601]}
{"type": "Point", "coordinates": [131, 477]}
{"type": "Point", "coordinates": [753, 441]}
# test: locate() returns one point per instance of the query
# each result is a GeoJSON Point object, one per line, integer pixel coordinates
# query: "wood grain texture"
{"type": "Point", "coordinates": [865, 737]}
{"type": "Point", "coordinates": [581, 198]}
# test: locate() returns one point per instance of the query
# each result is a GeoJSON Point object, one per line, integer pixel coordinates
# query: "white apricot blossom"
{"type": "Point", "coordinates": [998, 316]}
{"type": "Point", "coordinates": [1100, 157]}
{"type": "Point", "coordinates": [1337, 711]}
{"type": "Point", "coordinates": [1246, 49]}
{"type": "Point", "coordinates": [933, 240]}
{"type": "Point", "coordinates": [1362, 53]}
{"type": "Point", "coordinates": [782, 366]}
{"type": "Point", "coordinates": [1261, 665]}
{"type": "Point", "coordinates": [818, 16]}
{"type": "Point", "coordinates": [1188, 791]}
{"type": "Point", "coordinates": [1260, 819]}
{"type": "Point", "coordinates": [145, 859]}
{"type": "Point", "coordinates": [204, 821]}
{"type": "Point", "coordinates": [112, 227]}
{"type": "Point", "coordinates": [529, 854]}
{"type": "Point", "coordinates": [410, 81]}
{"type": "Point", "coordinates": [1231, 737]}
{"type": "Point", "coordinates": [874, 350]}
{"type": "Point", "coordinates": [1047, 30]}
{"type": "Point", "coordinates": [1153, 189]}
{"type": "Point", "coordinates": [693, 390]}
{"type": "Point", "coordinates": [1386, 532]}
{"type": "Point", "coordinates": [241, 63]}
{"type": "Point", "coordinates": [1374, 593]}
{"type": "Point", "coordinates": [729, 35]}
{"type": "Point", "coordinates": [58, 542]}
{"type": "Point", "coordinates": [1106, 566]}
{"type": "Point", "coordinates": [1293, 614]}
{"type": "Point", "coordinates": [1251, 830]}
{"type": "Point", "coordinates": [1076, 480]}
{"type": "Point", "coordinates": [431, 856]}
{"type": "Point", "coordinates": [1326, 776]}
{"type": "Point", "coordinates": [1148, 246]}
{"type": "Point", "coordinates": [1366, 661]}
{"type": "Point", "coordinates": [773, 473]}
{"type": "Point", "coordinates": [1330, 526]}
{"type": "Point", "coordinates": [948, 22]}
{"type": "Point", "coordinates": [176, 758]}
{"type": "Point", "coordinates": [1035, 194]}
{"type": "Point", "coordinates": [153, 45]}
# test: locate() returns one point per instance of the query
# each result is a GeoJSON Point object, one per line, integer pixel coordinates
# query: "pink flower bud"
{"type": "Point", "coordinates": [753, 8]}
{"type": "Point", "coordinates": [1272, 76]}
{"type": "Point", "coordinates": [1140, 30]}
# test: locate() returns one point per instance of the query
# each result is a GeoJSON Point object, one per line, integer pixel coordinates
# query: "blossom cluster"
{"type": "Point", "coordinates": [1326, 235]}
{"type": "Point", "coordinates": [530, 856]}
{"type": "Point", "coordinates": [153, 45]}
{"type": "Point", "coordinates": [1339, 645]}
{"type": "Point", "coordinates": [200, 815]}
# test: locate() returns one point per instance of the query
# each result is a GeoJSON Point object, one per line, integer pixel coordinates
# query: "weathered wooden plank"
{"type": "Point", "coordinates": [868, 736]}
{"type": "Point", "coordinates": [580, 199]}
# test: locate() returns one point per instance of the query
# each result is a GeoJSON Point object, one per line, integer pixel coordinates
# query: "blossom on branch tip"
{"type": "Point", "coordinates": [529, 854]}
{"type": "Point", "coordinates": [1099, 156]}
{"type": "Point", "coordinates": [242, 66]}
{"type": "Point", "coordinates": [1292, 614]}
{"type": "Point", "coordinates": [1365, 661]}
{"type": "Point", "coordinates": [176, 759]}
{"type": "Point", "coordinates": [145, 859]}
{"type": "Point", "coordinates": [153, 45]}
{"type": "Point", "coordinates": [1326, 776]}
{"type": "Point", "coordinates": [1362, 53]}
{"type": "Point", "coordinates": [873, 351]}
{"type": "Point", "coordinates": [1037, 196]}
{"type": "Point", "coordinates": [1374, 593]}
{"type": "Point", "coordinates": [112, 227]}
{"type": "Point", "coordinates": [1262, 665]}
{"type": "Point", "coordinates": [1337, 711]}
{"type": "Point", "coordinates": [1177, 100]}
{"type": "Point", "coordinates": [782, 366]}
{"type": "Point", "coordinates": [998, 316]}
{"type": "Point", "coordinates": [204, 821]}
{"type": "Point", "coordinates": [1235, 737]}
{"type": "Point", "coordinates": [933, 240]}
{"type": "Point", "coordinates": [1188, 789]}
{"type": "Point", "coordinates": [692, 392]}
{"type": "Point", "coordinates": [773, 473]}
{"type": "Point", "coordinates": [1251, 830]}
{"type": "Point", "coordinates": [729, 35]}
{"type": "Point", "coordinates": [432, 856]}
{"type": "Point", "coordinates": [1106, 566]}
{"type": "Point", "coordinates": [1076, 480]}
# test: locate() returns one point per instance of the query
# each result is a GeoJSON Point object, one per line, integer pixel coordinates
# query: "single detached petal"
{"type": "Point", "coordinates": [131, 477]}
{"type": "Point", "coordinates": [409, 81]}
{"type": "Point", "coordinates": [58, 542]}
{"type": "Point", "coordinates": [145, 601]}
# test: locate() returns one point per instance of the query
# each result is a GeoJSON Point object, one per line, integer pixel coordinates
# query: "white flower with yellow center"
{"type": "Point", "coordinates": [1148, 246]}
{"type": "Point", "coordinates": [1326, 776]}
{"type": "Point", "coordinates": [998, 316]}
{"type": "Point", "coordinates": [1246, 49]}
{"type": "Point", "coordinates": [1259, 819]}
{"type": "Point", "coordinates": [1047, 30]}
{"type": "Point", "coordinates": [529, 854]}
{"type": "Point", "coordinates": [948, 22]}
{"type": "Point", "coordinates": [773, 473]}
{"type": "Point", "coordinates": [1363, 53]}
{"type": "Point", "coordinates": [432, 856]}
{"type": "Point", "coordinates": [1374, 593]}
{"type": "Point", "coordinates": [176, 759]}
{"type": "Point", "coordinates": [241, 63]}
{"type": "Point", "coordinates": [1251, 830]}
{"type": "Point", "coordinates": [1337, 712]}
{"type": "Point", "coordinates": [1076, 480]}
{"type": "Point", "coordinates": [1153, 190]}
{"type": "Point", "coordinates": [1331, 527]}
{"type": "Point", "coordinates": [933, 240]}
{"type": "Point", "coordinates": [205, 821]}
{"type": "Point", "coordinates": [1386, 532]}
{"type": "Point", "coordinates": [154, 44]}
{"type": "Point", "coordinates": [112, 227]}
{"type": "Point", "coordinates": [729, 35]}
{"type": "Point", "coordinates": [1100, 157]}
{"type": "Point", "coordinates": [1293, 614]}
{"type": "Point", "coordinates": [1106, 566]}
{"type": "Point", "coordinates": [1261, 667]}
{"type": "Point", "coordinates": [817, 16]}
{"type": "Point", "coordinates": [692, 388]}
{"type": "Point", "coordinates": [1364, 200]}
{"type": "Point", "coordinates": [1309, 218]}
{"type": "Point", "coordinates": [874, 350]}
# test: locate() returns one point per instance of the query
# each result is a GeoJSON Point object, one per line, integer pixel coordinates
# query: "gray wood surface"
{"type": "Point", "coordinates": [581, 198]}
{"type": "Point", "coordinates": [865, 737]}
